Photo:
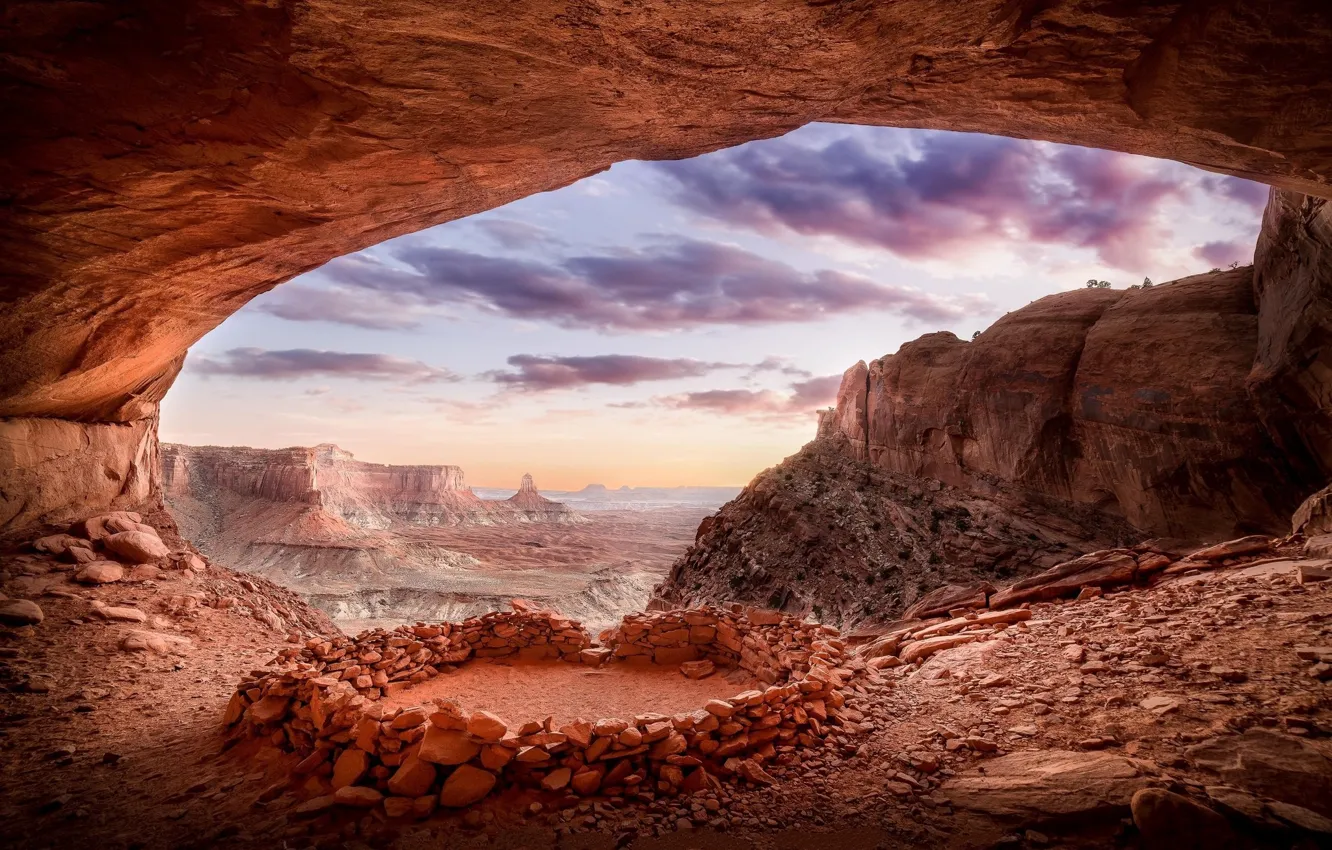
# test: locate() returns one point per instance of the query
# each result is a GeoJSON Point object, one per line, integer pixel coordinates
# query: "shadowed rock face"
{"type": "Point", "coordinates": [167, 162]}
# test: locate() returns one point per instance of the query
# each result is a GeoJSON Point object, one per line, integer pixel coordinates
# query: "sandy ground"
{"type": "Point", "coordinates": [521, 691]}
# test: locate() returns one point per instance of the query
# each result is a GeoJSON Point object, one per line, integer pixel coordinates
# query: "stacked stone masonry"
{"type": "Point", "coordinates": [326, 703]}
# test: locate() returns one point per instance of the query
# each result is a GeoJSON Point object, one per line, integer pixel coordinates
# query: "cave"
{"type": "Point", "coordinates": [169, 162]}
{"type": "Point", "coordinates": [165, 163]}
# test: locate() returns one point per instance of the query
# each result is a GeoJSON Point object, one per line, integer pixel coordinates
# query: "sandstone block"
{"type": "Point", "coordinates": [487, 727]}
{"type": "Point", "coordinates": [447, 746]}
{"type": "Point", "coordinates": [465, 786]}
{"type": "Point", "coordinates": [351, 766]}
{"type": "Point", "coordinates": [413, 778]}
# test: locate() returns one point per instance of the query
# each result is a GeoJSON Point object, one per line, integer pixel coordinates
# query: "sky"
{"type": "Point", "coordinates": [679, 323]}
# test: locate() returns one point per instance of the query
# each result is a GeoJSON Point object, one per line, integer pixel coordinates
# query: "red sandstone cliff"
{"type": "Point", "coordinates": [361, 495]}
{"type": "Point", "coordinates": [1130, 402]}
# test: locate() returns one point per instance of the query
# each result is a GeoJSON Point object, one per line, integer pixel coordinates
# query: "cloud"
{"type": "Point", "coordinates": [1253, 195]}
{"type": "Point", "coordinates": [300, 303]}
{"type": "Point", "coordinates": [946, 193]}
{"type": "Point", "coordinates": [676, 283]}
{"type": "Point", "coordinates": [516, 235]}
{"type": "Point", "coordinates": [540, 373]}
{"type": "Point", "coordinates": [296, 363]}
{"type": "Point", "coordinates": [1220, 254]}
{"type": "Point", "coordinates": [804, 397]}
{"type": "Point", "coordinates": [778, 364]}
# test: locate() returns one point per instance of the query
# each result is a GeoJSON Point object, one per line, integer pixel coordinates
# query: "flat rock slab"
{"type": "Point", "coordinates": [1270, 764]}
{"type": "Point", "coordinates": [1041, 785]}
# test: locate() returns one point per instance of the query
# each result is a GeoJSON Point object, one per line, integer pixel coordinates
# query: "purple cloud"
{"type": "Point", "coordinates": [297, 363]}
{"type": "Point", "coordinates": [516, 235]}
{"type": "Point", "coordinates": [953, 191]}
{"type": "Point", "coordinates": [299, 303]}
{"type": "Point", "coordinates": [1247, 192]}
{"type": "Point", "coordinates": [1221, 254]}
{"type": "Point", "coordinates": [678, 283]}
{"type": "Point", "coordinates": [805, 396]}
{"type": "Point", "coordinates": [555, 373]}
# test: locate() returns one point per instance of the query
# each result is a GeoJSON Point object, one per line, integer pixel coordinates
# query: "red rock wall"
{"type": "Point", "coordinates": [1134, 402]}
{"type": "Point", "coordinates": [364, 494]}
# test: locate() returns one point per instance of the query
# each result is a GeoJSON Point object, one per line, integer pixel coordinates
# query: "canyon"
{"type": "Point", "coordinates": [1037, 651]}
{"type": "Point", "coordinates": [376, 544]}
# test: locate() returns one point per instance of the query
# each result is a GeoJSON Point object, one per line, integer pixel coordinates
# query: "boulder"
{"type": "Point", "coordinates": [1252, 545]}
{"type": "Point", "coordinates": [1097, 569]}
{"type": "Point", "coordinates": [1169, 821]}
{"type": "Point", "coordinates": [465, 786]}
{"type": "Point", "coordinates": [1314, 515]}
{"type": "Point", "coordinates": [1270, 764]}
{"type": "Point", "coordinates": [139, 547]}
{"type": "Point", "coordinates": [104, 525]}
{"type": "Point", "coordinates": [100, 572]}
{"type": "Point", "coordinates": [1037, 785]}
{"type": "Point", "coordinates": [59, 544]}
{"type": "Point", "coordinates": [950, 597]}
{"type": "Point", "coordinates": [20, 612]}
{"type": "Point", "coordinates": [145, 641]}
{"type": "Point", "coordinates": [919, 650]}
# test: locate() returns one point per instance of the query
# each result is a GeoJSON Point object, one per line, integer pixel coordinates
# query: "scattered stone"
{"type": "Point", "coordinates": [698, 669]}
{"type": "Point", "coordinates": [1160, 705]}
{"type": "Point", "coordinates": [122, 614]}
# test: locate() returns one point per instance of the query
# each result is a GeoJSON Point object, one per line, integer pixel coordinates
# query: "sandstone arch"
{"type": "Point", "coordinates": [166, 162]}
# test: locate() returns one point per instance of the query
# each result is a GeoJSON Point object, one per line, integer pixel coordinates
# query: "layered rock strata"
{"type": "Point", "coordinates": [362, 495]}
{"type": "Point", "coordinates": [326, 706]}
{"type": "Point", "coordinates": [1132, 402]}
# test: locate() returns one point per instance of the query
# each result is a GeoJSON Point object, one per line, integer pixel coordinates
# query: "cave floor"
{"type": "Point", "coordinates": [100, 746]}
{"type": "Point", "coordinates": [522, 691]}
